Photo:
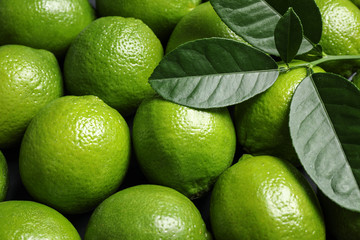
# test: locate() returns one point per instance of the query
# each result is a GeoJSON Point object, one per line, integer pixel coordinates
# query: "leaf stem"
{"type": "Point", "coordinates": [328, 58]}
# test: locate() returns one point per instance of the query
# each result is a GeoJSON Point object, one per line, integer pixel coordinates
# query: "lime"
{"type": "Point", "coordinates": [32, 220]}
{"type": "Point", "coordinates": [160, 15]}
{"type": "Point", "coordinates": [265, 197]}
{"type": "Point", "coordinates": [113, 59]}
{"type": "Point", "coordinates": [202, 22]}
{"type": "Point", "coordinates": [342, 223]}
{"type": "Point", "coordinates": [181, 147]}
{"type": "Point", "coordinates": [74, 153]}
{"type": "Point", "coordinates": [341, 33]}
{"type": "Point", "coordinates": [146, 212]}
{"type": "Point", "coordinates": [29, 79]}
{"type": "Point", "coordinates": [262, 121]}
{"type": "Point", "coordinates": [4, 178]}
{"type": "Point", "coordinates": [50, 25]}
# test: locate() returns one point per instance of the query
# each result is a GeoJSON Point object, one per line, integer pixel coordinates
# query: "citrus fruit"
{"type": "Point", "coordinates": [29, 78]}
{"type": "Point", "coordinates": [341, 33]}
{"type": "Point", "coordinates": [146, 212]}
{"type": "Point", "coordinates": [113, 59]}
{"type": "Point", "coordinates": [4, 179]}
{"type": "Point", "coordinates": [32, 220]}
{"type": "Point", "coordinates": [181, 147]}
{"type": "Point", "coordinates": [160, 15]}
{"type": "Point", "coordinates": [74, 153]}
{"type": "Point", "coordinates": [264, 197]}
{"type": "Point", "coordinates": [50, 25]}
{"type": "Point", "coordinates": [262, 122]}
{"type": "Point", "coordinates": [202, 22]}
{"type": "Point", "coordinates": [342, 223]}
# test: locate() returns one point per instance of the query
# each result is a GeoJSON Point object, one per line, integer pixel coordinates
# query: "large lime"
{"type": "Point", "coordinates": [113, 59]}
{"type": "Point", "coordinates": [181, 147]}
{"type": "Point", "coordinates": [265, 197]}
{"type": "Point", "coordinates": [262, 121]}
{"type": "Point", "coordinates": [74, 153]}
{"type": "Point", "coordinates": [50, 25]}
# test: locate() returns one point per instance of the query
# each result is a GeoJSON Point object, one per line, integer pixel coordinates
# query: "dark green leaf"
{"type": "Point", "coordinates": [325, 130]}
{"type": "Point", "coordinates": [288, 35]}
{"type": "Point", "coordinates": [255, 20]}
{"type": "Point", "coordinates": [213, 72]}
{"type": "Point", "coordinates": [307, 11]}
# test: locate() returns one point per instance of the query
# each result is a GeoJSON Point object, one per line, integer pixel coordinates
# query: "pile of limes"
{"type": "Point", "coordinates": [89, 150]}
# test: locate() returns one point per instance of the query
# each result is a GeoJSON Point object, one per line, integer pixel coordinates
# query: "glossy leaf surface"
{"type": "Point", "coordinates": [325, 129]}
{"type": "Point", "coordinates": [288, 35]}
{"type": "Point", "coordinates": [255, 20]}
{"type": "Point", "coordinates": [213, 72]}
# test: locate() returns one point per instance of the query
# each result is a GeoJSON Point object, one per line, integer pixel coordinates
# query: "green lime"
{"type": "Point", "coordinates": [50, 25]}
{"type": "Point", "coordinates": [202, 22]}
{"type": "Point", "coordinates": [265, 197]}
{"type": "Point", "coordinates": [341, 33]}
{"type": "Point", "coordinates": [32, 220]}
{"type": "Point", "coordinates": [160, 15]}
{"type": "Point", "coordinates": [262, 121]}
{"type": "Point", "coordinates": [146, 212]}
{"type": "Point", "coordinates": [4, 178]}
{"type": "Point", "coordinates": [342, 223]}
{"type": "Point", "coordinates": [181, 147]}
{"type": "Point", "coordinates": [29, 79]}
{"type": "Point", "coordinates": [113, 59]}
{"type": "Point", "coordinates": [74, 153]}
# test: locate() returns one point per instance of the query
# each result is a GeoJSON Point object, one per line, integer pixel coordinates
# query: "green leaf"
{"type": "Point", "coordinates": [325, 130]}
{"type": "Point", "coordinates": [288, 35]}
{"type": "Point", "coordinates": [213, 72]}
{"type": "Point", "coordinates": [308, 12]}
{"type": "Point", "coordinates": [255, 20]}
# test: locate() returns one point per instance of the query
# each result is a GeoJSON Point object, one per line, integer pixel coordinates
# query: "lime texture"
{"type": "Point", "coordinates": [29, 79]}
{"type": "Point", "coordinates": [50, 25]}
{"type": "Point", "coordinates": [32, 220]}
{"type": "Point", "coordinates": [181, 147]}
{"type": "Point", "coordinates": [265, 197]}
{"type": "Point", "coordinates": [75, 153]}
{"type": "Point", "coordinates": [147, 212]}
{"type": "Point", "coordinates": [160, 15]}
{"type": "Point", "coordinates": [113, 59]}
{"type": "Point", "coordinates": [262, 121]}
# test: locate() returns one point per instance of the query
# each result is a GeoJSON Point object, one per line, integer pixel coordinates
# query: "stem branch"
{"type": "Point", "coordinates": [328, 58]}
